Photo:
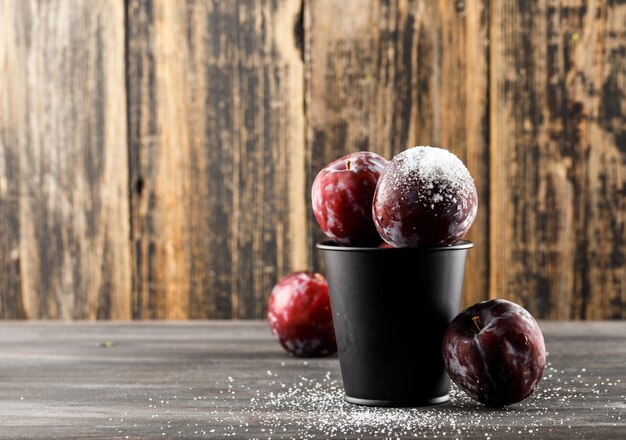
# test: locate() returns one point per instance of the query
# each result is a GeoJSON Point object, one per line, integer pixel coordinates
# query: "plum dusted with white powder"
{"type": "Point", "coordinates": [424, 197]}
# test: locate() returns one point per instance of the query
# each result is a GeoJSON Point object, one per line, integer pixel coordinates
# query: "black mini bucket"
{"type": "Point", "coordinates": [390, 308]}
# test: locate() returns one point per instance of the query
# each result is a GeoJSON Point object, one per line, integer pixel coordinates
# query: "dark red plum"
{"type": "Point", "coordinates": [495, 352]}
{"type": "Point", "coordinates": [342, 196]}
{"type": "Point", "coordinates": [424, 197]}
{"type": "Point", "coordinates": [299, 315]}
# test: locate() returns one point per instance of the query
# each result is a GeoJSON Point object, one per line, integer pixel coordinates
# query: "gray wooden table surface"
{"type": "Point", "coordinates": [231, 380]}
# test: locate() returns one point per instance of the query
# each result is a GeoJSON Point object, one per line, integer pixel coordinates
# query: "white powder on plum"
{"type": "Point", "coordinates": [440, 174]}
{"type": "Point", "coordinates": [425, 197]}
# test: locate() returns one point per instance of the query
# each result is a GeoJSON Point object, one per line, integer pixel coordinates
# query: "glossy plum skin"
{"type": "Point", "coordinates": [299, 315]}
{"type": "Point", "coordinates": [342, 196]}
{"type": "Point", "coordinates": [495, 352]}
{"type": "Point", "coordinates": [425, 197]}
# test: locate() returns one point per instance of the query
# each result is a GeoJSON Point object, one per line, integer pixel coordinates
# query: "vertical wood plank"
{"type": "Point", "coordinates": [217, 155]}
{"type": "Point", "coordinates": [63, 150]}
{"type": "Point", "coordinates": [558, 157]}
{"type": "Point", "coordinates": [392, 75]}
{"type": "Point", "coordinates": [10, 283]}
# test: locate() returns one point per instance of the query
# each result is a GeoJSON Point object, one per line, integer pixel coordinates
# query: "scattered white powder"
{"type": "Point", "coordinates": [312, 407]}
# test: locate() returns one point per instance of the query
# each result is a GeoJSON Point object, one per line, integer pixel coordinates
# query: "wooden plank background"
{"type": "Point", "coordinates": [63, 161]}
{"type": "Point", "coordinates": [558, 157]}
{"type": "Point", "coordinates": [216, 134]}
{"type": "Point", "coordinates": [156, 156]}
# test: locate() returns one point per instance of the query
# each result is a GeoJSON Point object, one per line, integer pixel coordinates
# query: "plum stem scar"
{"type": "Point", "coordinates": [347, 164]}
{"type": "Point", "coordinates": [477, 322]}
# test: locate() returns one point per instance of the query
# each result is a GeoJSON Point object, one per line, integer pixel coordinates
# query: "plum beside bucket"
{"type": "Point", "coordinates": [391, 307]}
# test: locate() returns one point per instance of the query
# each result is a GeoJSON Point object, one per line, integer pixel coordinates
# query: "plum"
{"type": "Point", "coordinates": [424, 197]}
{"type": "Point", "coordinates": [342, 196]}
{"type": "Point", "coordinates": [495, 352]}
{"type": "Point", "coordinates": [300, 317]}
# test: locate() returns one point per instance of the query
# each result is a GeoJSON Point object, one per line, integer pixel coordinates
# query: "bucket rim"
{"type": "Point", "coordinates": [329, 245]}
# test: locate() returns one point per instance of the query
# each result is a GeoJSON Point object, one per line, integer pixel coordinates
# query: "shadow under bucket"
{"type": "Point", "coordinates": [390, 309]}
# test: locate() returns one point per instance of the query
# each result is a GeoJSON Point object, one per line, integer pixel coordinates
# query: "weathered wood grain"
{"type": "Point", "coordinates": [231, 380]}
{"type": "Point", "coordinates": [217, 155]}
{"type": "Point", "coordinates": [223, 112]}
{"type": "Point", "coordinates": [392, 75]}
{"type": "Point", "coordinates": [10, 293]}
{"type": "Point", "coordinates": [10, 285]}
{"type": "Point", "coordinates": [63, 160]}
{"type": "Point", "coordinates": [558, 157]}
